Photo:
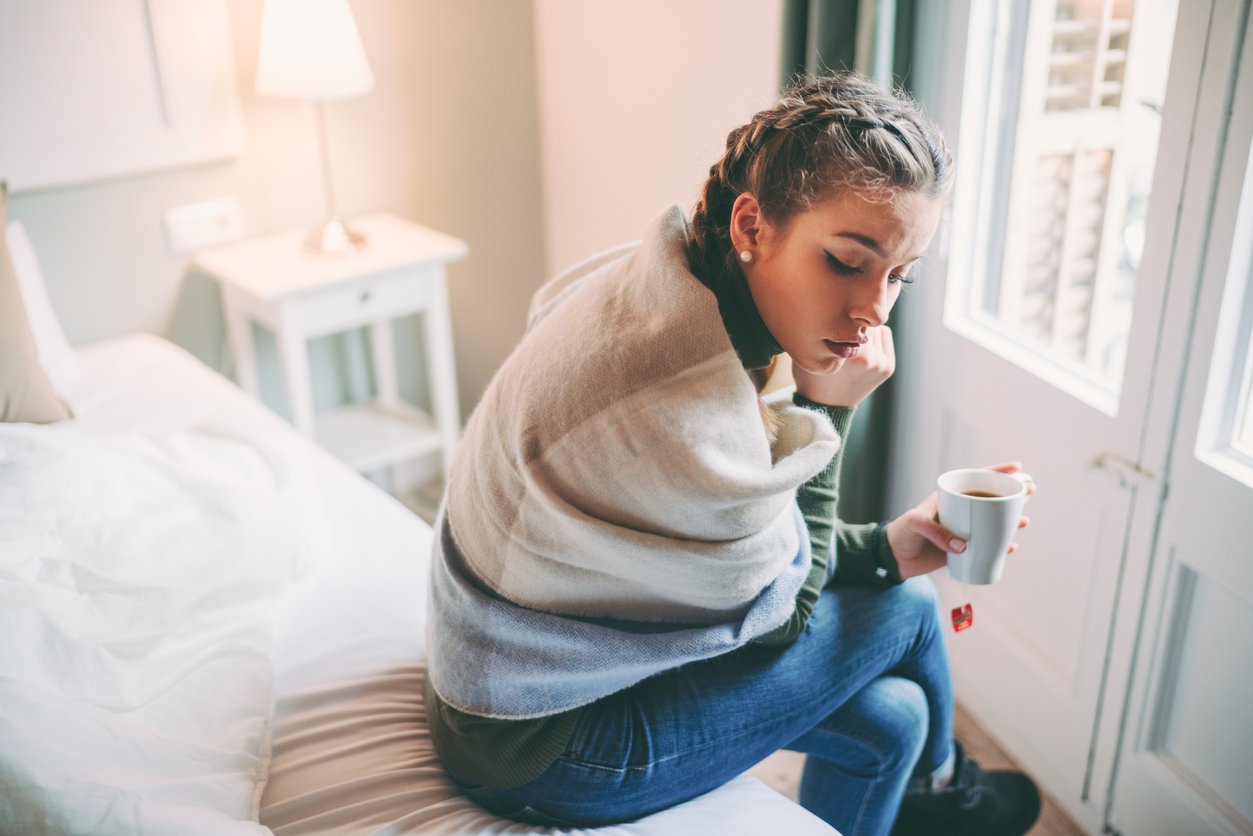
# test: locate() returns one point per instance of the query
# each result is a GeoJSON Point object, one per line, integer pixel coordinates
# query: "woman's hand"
{"type": "Point", "coordinates": [857, 378]}
{"type": "Point", "coordinates": [921, 544]}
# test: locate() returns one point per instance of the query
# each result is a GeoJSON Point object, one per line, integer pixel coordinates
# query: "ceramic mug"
{"type": "Point", "coordinates": [983, 508]}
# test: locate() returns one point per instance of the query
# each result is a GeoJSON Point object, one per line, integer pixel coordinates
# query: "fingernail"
{"type": "Point", "coordinates": [956, 545]}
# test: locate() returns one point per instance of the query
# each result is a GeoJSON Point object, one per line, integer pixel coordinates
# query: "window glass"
{"type": "Point", "coordinates": [1080, 117]}
{"type": "Point", "coordinates": [1243, 440]}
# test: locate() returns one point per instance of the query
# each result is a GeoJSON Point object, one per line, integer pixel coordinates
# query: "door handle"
{"type": "Point", "coordinates": [1128, 472]}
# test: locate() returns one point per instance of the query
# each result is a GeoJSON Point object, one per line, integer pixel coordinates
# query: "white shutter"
{"type": "Point", "coordinates": [1067, 280]}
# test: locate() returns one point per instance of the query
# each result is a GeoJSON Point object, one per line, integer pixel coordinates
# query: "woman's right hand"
{"type": "Point", "coordinates": [860, 375]}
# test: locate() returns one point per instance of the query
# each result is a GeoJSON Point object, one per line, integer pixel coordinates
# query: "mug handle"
{"type": "Point", "coordinates": [1023, 477]}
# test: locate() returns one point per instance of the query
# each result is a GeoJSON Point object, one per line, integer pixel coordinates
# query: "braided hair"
{"type": "Point", "coordinates": [826, 134]}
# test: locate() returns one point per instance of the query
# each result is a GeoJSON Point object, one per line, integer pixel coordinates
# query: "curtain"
{"type": "Point", "coordinates": [876, 39]}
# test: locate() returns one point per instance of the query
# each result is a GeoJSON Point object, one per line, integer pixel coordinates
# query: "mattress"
{"type": "Point", "coordinates": [350, 751]}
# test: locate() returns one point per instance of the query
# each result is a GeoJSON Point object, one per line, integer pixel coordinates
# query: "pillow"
{"type": "Point", "coordinates": [26, 394]}
{"type": "Point", "coordinates": [56, 355]}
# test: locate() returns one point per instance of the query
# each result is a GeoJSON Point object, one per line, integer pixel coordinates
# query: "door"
{"type": "Point", "coordinates": [1074, 123]}
{"type": "Point", "coordinates": [1185, 761]}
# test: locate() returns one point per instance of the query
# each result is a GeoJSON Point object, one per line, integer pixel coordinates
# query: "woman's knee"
{"type": "Point", "coordinates": [903, 717]}
{"type": "Point", "coordinates": [889, 718]}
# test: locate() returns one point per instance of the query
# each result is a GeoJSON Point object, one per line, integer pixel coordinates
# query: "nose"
{"type": "Point", "coordinates": [873, 303]}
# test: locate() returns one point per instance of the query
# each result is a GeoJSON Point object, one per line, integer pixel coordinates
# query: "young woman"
{"type": "Point", "coordinates": [640, 586]}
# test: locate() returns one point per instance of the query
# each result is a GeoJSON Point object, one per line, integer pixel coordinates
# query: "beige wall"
{"type": "Point", "coordinates": [448, 137]}
{"type": "Point", "coordinates": [633, 102]}
{"type": "Point", "coordinates": [636, 100]}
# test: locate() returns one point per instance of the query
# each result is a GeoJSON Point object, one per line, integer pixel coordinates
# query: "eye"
{"type": "Point", "coordinates": [841, 267]}
{"type": "Point", "coordinates": [849, 270]}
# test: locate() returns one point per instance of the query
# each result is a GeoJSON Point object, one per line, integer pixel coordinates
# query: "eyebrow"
{"type": "Point", "coordinates": [869, 243]}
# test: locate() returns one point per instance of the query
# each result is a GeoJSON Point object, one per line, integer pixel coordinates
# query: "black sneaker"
{"type": "Point", "coordinates": [976, 803]}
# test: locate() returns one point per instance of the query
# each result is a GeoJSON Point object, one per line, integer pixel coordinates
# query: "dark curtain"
{"type": "Point", "coordinates": [823, 36]}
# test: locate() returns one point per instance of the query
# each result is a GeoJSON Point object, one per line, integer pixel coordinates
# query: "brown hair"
{"type": "Point", "coordinates": [826, 133]}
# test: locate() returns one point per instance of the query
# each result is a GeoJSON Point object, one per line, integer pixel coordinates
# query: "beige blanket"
{"type": "Point", "coordinates": [617, 465]}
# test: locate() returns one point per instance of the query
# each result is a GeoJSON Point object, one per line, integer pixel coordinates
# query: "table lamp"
{"type": "Point", "coordinates": [310, 49]}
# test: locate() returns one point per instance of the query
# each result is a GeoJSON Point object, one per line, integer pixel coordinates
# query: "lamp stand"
{"type": "Point", "coordinates": [333, 237]}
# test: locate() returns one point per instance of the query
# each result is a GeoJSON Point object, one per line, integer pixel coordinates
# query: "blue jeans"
{"type": "Point", "coordinates": [865, 692]}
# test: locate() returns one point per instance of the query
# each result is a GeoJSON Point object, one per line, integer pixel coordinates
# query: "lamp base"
{"type": "Point", "coordinates": [334, 238]}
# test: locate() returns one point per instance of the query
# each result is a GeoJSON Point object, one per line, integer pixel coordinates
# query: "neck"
{"type": "Point", "coordinates": [752, 340]}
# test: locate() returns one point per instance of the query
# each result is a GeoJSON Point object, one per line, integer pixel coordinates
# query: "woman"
{"type": "Point", "coordinates": [640, 587]}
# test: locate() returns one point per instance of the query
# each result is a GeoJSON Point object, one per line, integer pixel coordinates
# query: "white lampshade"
{"type": "Point", "coordinates": [310, 49]}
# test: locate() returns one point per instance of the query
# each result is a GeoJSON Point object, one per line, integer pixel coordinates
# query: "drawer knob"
{"type": "Point", "coordinates": [365, 296]}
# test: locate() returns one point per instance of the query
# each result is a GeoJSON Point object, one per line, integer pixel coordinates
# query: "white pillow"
{"type": "Point", "coordinates": [56, 355]}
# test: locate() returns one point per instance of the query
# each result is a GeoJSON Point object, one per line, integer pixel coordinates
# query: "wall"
{"type": "Point", "coordinates": [449, 137]}
{"type": "Point", "coordinates": [632, 101]}
{"type": "Point", "coordinates": [636, 100]}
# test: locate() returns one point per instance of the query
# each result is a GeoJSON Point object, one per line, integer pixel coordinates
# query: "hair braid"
{"type": "Point", "coordinates": [825, 134]}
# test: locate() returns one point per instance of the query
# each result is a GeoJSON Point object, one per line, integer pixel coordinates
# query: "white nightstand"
{"type": "Point", "coordinates": [400, 271]}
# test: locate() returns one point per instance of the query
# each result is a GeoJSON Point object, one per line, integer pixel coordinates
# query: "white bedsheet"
{"type": "Point", "coordinates": [139, 574]}
{"type": "Point", "coordinates": [350, 749]}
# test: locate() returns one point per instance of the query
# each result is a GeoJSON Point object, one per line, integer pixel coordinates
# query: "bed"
{"type": "Point", "coordinates": [332, 736]}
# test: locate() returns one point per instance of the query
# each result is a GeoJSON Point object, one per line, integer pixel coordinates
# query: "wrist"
{"type": "Point", "coordinates": [827, 399]}
{"type": "Point", "coordinates": [886, 554]}
{"type": "Point", "coordinates": [827, 390]}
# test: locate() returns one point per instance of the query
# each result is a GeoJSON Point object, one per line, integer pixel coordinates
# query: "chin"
{"type": "Point", "coordinates": [829, 364]}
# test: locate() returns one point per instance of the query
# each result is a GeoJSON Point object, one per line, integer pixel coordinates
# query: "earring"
{"type": "Point", "coordinates": [746, 256]}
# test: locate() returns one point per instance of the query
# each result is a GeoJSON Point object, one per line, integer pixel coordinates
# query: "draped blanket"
{"type": "Point", "coordinates": [615, 508]}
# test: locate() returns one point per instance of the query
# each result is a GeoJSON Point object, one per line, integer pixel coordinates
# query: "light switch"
{"type": "Point", "coordinates": [197, 225]}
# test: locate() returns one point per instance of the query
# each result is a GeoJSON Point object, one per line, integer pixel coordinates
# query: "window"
{"type": "Point", "coordinates": [1070, 130]}
{"type": "Point", "coordinates": [1243, 437]}
{"type": "Point", "coordinates": [1225, 440]}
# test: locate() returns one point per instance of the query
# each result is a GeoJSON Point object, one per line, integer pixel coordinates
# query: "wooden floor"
{"type": "Point", "coordinates": [782, 771]}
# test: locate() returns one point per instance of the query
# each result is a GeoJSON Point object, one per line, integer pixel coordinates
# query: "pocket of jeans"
{"type": "Point", "coordinates": [586, 751]}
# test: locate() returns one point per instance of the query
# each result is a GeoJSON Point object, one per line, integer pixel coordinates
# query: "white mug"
{"type": "Point", "coordinates": [986, 521]}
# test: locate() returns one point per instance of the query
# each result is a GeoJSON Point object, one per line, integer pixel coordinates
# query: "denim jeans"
{"type": "Point", "coordinates": [865, 692]}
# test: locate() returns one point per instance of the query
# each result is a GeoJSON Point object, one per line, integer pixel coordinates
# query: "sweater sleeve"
{"type": "Point", "coordinates": [859, 553]}
{"type": "Point", "coordinates": [864, 556]}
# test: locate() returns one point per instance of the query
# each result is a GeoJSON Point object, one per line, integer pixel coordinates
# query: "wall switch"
{"type": "Point", "coordinates": [196, 225]}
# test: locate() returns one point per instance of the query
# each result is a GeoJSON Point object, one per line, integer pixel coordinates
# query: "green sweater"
{"type": "Point", "coordinates": [507, 753]}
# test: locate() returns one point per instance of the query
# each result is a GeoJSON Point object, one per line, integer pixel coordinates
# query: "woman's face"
{"type": "Point", "coordinates": [834, 271]}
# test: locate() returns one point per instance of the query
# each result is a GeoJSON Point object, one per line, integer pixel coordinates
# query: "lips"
{"type": "Point", "coordinates": [842, 349]}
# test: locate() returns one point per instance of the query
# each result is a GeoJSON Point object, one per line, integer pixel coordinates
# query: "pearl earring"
{"type": "Point", "coordinates": [746, 256]}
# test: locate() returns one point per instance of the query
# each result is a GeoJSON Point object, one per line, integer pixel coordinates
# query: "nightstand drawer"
{"type": "Point", "coordinates": [383, 297]}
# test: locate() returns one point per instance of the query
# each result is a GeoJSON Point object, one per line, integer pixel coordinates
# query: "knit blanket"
{"type": "Point", "coordinates": [615, 507]}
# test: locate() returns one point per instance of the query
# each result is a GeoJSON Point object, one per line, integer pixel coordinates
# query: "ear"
{"type": "Point", "coordinates": [746, 222]}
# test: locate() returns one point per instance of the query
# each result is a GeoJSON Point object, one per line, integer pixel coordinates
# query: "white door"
{"type": "Point", "coordinates": [1074, 123]}
{"type": "Point", "coordinates": [1186, 755]}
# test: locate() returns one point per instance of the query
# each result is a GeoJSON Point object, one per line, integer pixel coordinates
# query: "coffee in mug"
{"type": "Point", "coordinates": [983, 508]}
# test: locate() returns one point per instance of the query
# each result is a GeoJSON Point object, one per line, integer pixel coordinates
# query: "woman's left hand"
{"type": "Point", "coordinates": [921, 544]}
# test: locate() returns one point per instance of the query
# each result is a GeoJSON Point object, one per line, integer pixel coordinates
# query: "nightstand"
{"type": "Point", "coordinates": [400, 271]}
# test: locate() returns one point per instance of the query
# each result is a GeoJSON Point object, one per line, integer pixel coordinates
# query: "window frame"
{"type": "Point", "coordinates": [1229, 390]}
{"type": "Point", "coordinates": [987, 130]}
